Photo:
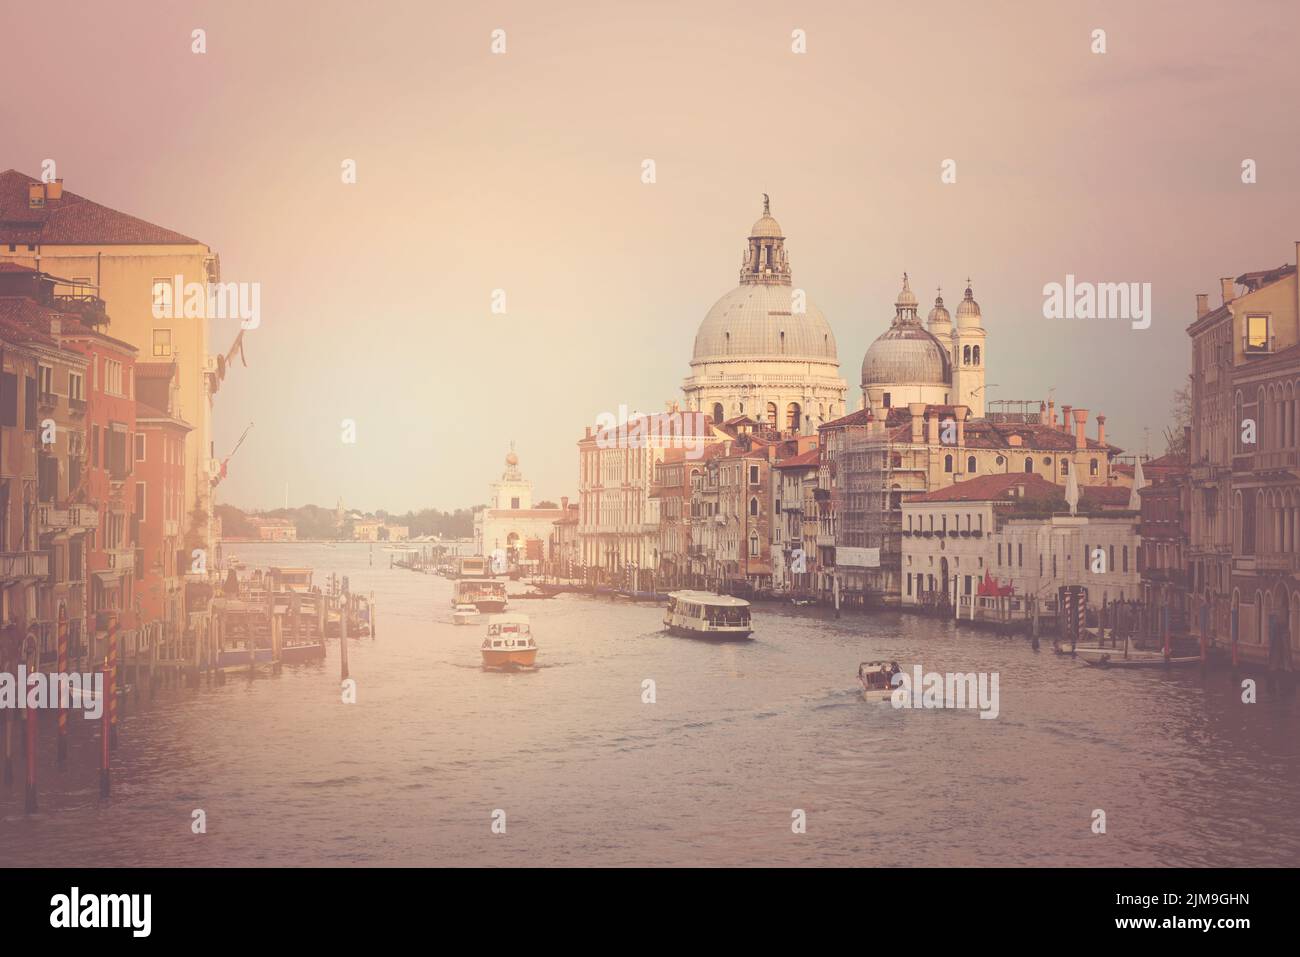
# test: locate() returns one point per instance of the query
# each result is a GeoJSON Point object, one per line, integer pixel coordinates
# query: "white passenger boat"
{"type": "Point", "coordinates": [509, 643]}
{"type": "Point", "coordinates": [701, 614]}
{"type": "Point", "coordinates": [486, 594]}
{"type": "Point", "coordinates": [464, 614]}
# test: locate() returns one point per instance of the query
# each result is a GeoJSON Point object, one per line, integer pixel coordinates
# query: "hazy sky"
{"type": "Point", "coordinates": [523, 172]}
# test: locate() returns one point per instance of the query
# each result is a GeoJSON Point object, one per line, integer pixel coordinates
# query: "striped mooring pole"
{"type": "Point", "coordinates": [32, 653]}
{"type": "Point", "coordinates": [63, 670]}
{"type": "Point", "coordinates": [106, 720]}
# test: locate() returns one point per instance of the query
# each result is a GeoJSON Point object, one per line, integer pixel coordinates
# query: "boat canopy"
{"type": "Point", "coordinates": [708, 598]}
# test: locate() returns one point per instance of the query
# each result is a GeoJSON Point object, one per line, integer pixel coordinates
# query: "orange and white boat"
{"type": "Point", "coordinates": [509, 643]}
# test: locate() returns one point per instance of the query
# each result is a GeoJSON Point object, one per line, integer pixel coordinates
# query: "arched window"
{"type": "Point", "coordinates": [976, 354]}
{"type": "Point", "coordinates": [1029, 464]}
{"type": "Point", "coordinates": [753, 506]}
{"type": "Point", "coordinates": [717, 413]}
{"type": "Point", "coordinates": [793, 417]}
{"type": "Point", "coordinates": [771, 414]}
{"type": "Point", "coordinates": [965, 356]}
{"type": "Point", "coordinates": [970, 464]}
{"type": "Point", "coordinates": [753, 546]}
{"type": "Point", "coordinates": [1092, 466]}
{"type": "Point", "coordinates": [1065, 466]}
{"type": "Point", "coordinates": [947, 463]}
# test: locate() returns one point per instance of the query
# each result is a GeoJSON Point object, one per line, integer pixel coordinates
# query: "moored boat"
{"type": "Point", "coordinates": [464, 614]}
{"type": "Point", "coordinates": [1119, 658]}
{"type": "Point", "coordinates": [509, 643]}
{"type": "Point", "coordinates": [701, 614]}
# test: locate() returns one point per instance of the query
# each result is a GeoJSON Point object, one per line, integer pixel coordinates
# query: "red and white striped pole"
{"type": "Point", "coordinates": [106, 719]}
{"type": "Point", "coordinates": [63, 672]}
{"type": "Point", "coordinates": [111, 688]}
{"type": "Point", "coordinates": [32, 654]}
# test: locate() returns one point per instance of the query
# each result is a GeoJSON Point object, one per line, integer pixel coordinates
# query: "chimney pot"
{"type": "Point", "coordinates": [1229, 289]}
{"type": "Point", "coordinates": [1202, 304]}
{"type": "Point", "coordinates": [1067, 423]}
{"type": "Point", "coordinates": [1051, 412]}
{"type": "Point", "coordinates": [54, 189]}
{"type": "Point", "coordinates": [35, 195]}
{"type": "Point", "coordinates": [1080, 428]}
{"type": "Point", "coordinates": [1101, 429]}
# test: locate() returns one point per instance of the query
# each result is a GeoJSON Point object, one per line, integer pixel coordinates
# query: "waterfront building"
{"type": "Point", "coordinates": [1011, 537]}
{"type": "Point", "coordinates": [64, 518]}
{"type": "Point", "coordinates": [1162, 560]}
{"type": "Point", "coordinates": [765, 350]}
{"type": "Point", "coordinates": [1244, 455]}
{"type": "Point", "coordinates": [511, 523]}
{"type": "Point", "coordinates": [366, 529]}
{"type": "Point", "coordinates": [564, 550]}
{"type": "Point", "coordinates": [397, 533]}
{"type": "Point", "coordinates": [112, 442]}
{"type": "Point", "coordinates": [675, 476]}
{"type": "Point", "coordinates": [618, 527]}
{"type": "Point", "coordinates": [123, 259]}
{"type": "Point", "coordinates": [795, 519]}
{"type": "Point", "coordinates": [282, 530]}
{"type": "Point", "coordinates": [160, 473]}
{"type": "Point", "coordinates": [24, 565]}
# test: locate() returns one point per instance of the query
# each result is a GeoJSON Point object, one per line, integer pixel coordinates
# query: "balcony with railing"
{"type": "Point", "coordinates": [17, 566]}
{"type": "Point", "coordinates": [74, 517]}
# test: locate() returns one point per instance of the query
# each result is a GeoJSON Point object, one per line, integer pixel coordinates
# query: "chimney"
{"type": "Point", "coordinates": [35, 195]}
{"type": "Point", "coordinates": [1101, 429]}
{"type": "Point", "coordinates": [1067, 424]}
{"type": "Point", "coordinates": [917, 410]}
{"type": "Point", "coordinates": [1202, 304]}
{"type": "Point", "coordinates": [1051, 412]}
{"type": "Point", "coordinates": [1229, 289]}
{"type": "Point", "coordinates": [1080, 428]}
{"type": "Point", "coordinates": [54, 189]}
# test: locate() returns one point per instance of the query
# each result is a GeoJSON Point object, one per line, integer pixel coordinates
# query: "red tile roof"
{"type": "Point", "coordinates": [993, 488]}
{"type": "Point", "coordinates": [71, 220]}
{"type": "Point", "coordinates": [802, 460]}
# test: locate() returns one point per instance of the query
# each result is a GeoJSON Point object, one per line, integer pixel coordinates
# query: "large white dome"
{"type": "Point", "coordinates": [755, 321]}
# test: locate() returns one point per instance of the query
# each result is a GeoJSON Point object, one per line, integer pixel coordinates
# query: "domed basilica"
{"type": "Point", "coordinates": [938, 363]}
{"type": "Point", "coordinates": [764, 350]}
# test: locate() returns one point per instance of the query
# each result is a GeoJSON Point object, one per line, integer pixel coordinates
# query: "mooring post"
{"type": "Point", "coordinates": [106, 726]}
{"type": "Point", "coordinates": [32, 654]}
{"type": "Point", "coordinates": [63, 671]}
{"type": "Point", "coordinates": [343, 634]}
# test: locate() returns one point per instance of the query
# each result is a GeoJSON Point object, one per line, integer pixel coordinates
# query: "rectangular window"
{"type": "Point", "coordinates": [31, 421]}
{"type": "Point", "coordinates": [753, 475]}
{"type": "Point", "coordinates": [8, 399]}
{"type": "Point", "coordinates": [45, 381]}
{"type": "Point", "coordinates": [1257, 337]}
{"type": "Point", "coordinates": [162, 342]}
{"type": "Point", "coordinates": [139, 501]}
{"type": "Point", "coordinates": [94, 446]}
{"type": "Point", "coordinates": [139, 446]}
{"type": "Point", "coordinates": [76, 387]}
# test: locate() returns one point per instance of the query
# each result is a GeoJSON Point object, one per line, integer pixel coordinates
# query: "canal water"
{"type": "Point", "coordinates": [739, 738]}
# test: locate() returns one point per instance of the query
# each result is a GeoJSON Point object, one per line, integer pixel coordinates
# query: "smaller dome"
{"type": "Point", "coordinates": [765, 227]}
{"type": "Point", "coordinates": [939, 314]}
{"type": "Point", "coordinates": [511, 459]}
{"type": "Point", "coordinates": [969, 308]}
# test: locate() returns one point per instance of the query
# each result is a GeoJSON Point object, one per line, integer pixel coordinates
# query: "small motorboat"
{"type": "Point", "coordinates": [877, 679]}
{"type": "Point", "coordinates": [464, 614]}
{"type": "Point", "coordinates": [802, 602]}
{"type": "Point", "coordinates": [509, 643]}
